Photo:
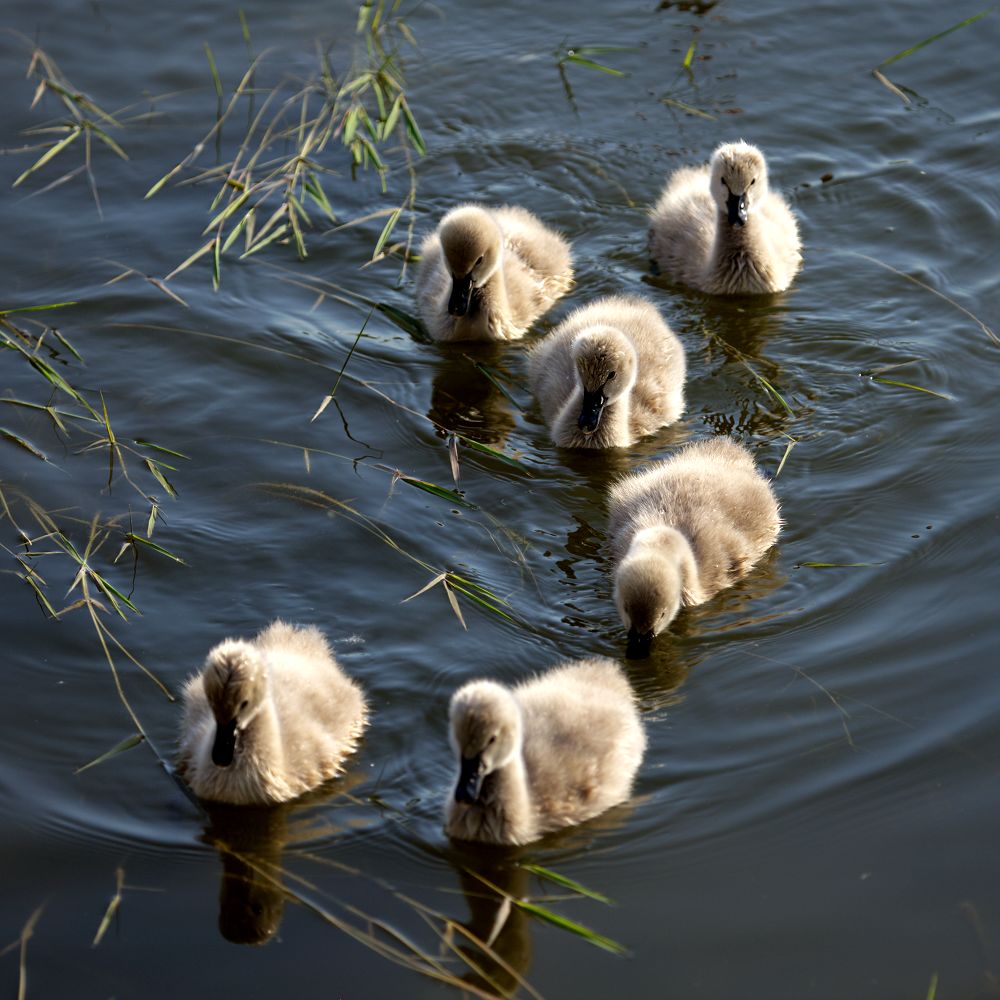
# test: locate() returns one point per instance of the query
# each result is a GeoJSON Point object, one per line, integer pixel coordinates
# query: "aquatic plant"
{"type": "Point", "coordinates": [275, 179]}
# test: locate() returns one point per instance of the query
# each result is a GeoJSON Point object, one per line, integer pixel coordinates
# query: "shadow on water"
{"type": "Point", "coordinates": [494, 880]}
{"type": "Point", "coordinates": [251, 841]}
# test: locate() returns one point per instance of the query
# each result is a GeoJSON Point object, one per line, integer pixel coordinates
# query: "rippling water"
{"type": "Point", "coordinates": [817, 815]}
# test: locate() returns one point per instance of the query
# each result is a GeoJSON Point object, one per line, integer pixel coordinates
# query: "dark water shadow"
{"type": "Point", "coordinates": [251, 841]}
{"type": "Point", "coordinates": [492, 878]}
{"type": "Point", "coordinates": [465, 401]}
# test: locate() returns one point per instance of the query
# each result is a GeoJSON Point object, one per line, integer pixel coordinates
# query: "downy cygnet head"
{"type": "Point", "coordinates": [235, 682]}
{"type": "Point", "coordinates": [738, 180]}
{"type": "Point", "coordinates": [486, 733]}
{"type": "Point", "coordinates": [649, 586]}
{"type": "Point", "coordinates": [472, 244]}
{"type": "Point", "coordinates": [606, 366]}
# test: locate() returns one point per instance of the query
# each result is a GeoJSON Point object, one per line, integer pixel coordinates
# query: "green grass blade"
{"type": "Point", "coordinates": [51, 152]}
{"type": "Point", "coordinates": [409, 324]}
{"type": "Point", "coordinates": [386, 230]}
{"type": "Point", "coordinates": [689, 55]}
{"type": "Point", "coordinates": [214, 70]}
{"type": "Point", "coordinates": [833, 565]}
{"type": "Point", "coordinates": [22, 443]}
{"type": "Point", "coordinates": [159, 447]}
{"type": "Point", "coordinates": [688, 108]}
{"type": "Point", "coordinates": [157, 472]}
{"type": "Point", "coordinates": [934, 38]}
{"type": "Point", "coordinates": [138, 539]}
{"type": "Point", "coordinates": [416, 139]}
{"type": "Point", "coordinates": [126, 744]}
{"type": "Point", "coordinates": [485, 449]}
{"type": "Point", "coordinates": [491, 374]}
{"type": "Point", "coordinates": [566, 883]}
{"type": "Point", "coordinates": [31, 309]}
{"type": "Point", "coordinates": [599, 940]}
{"type": "Point", "coordinates": [909, 385]}
{"type": "Point", "coordinates": [573, 57]}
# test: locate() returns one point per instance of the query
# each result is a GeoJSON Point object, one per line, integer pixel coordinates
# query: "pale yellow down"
{"type": "Point", "coordinates": [692, 239]}
{"type": "Point", "coordinates": [685, 529]}
{"type": "Point", "coordinates": [552, 751]}
{"type": "Point", "coordinates": [297, 717]}
{"type": "Point", "coordinates": [518, 268]}
{"type": "Point", "coordinates": [620, 347]}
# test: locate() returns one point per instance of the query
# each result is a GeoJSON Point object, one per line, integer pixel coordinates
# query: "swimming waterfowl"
{"type": "Point", "coordinates": [488, 274]}
{"type": "Point", "coordinates": [720, 228]}
{"type": "Point", "coordinates": [551, 752]}
{"type": "Point", "coordinates": [611, 372]}
{"type": "Point", "coordinates": [268, 719]}
{"type": "Point", "coordinates": [685, 529]}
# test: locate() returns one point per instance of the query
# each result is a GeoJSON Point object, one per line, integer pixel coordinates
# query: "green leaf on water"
{"type": "Point", "coordinates": [157, 472]}
{"type": "Point", "coordinates": [138, 539]}
{"type": "Point", "coordinates": [485, 449]}
{"type": "Point", "coordinates": [574, 57]}
{"type": "Point", "coordinates": [689, 55]}
{"type": "Point", "coordinates": [566, 883]}
{"type": "Point", "coordinates": [439, 491]}
{"type": "Point", "coordinates": [934, 38]}
{"type": "Point", "coordinates": [688, 108]}
{"type": "Point", "coordinates": [909, 385]}
{"type": "Point", "coordinates": [832, 565]}
{"type": "Point", "coordinates": [407, 323]}
{"type": "Point", "coordinates": [570, 925]}
{"type": "Point", "coordinates": [126, 744]}
{"type": "Point", "coordinates": [31, 309]}
{"type": "Point", "coordinates": [159, 447]}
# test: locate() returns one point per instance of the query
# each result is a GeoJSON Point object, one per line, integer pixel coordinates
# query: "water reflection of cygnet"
{"type": "Point", "coordinates": [494, 920]}
{"type": "Point", "coordinates": [492, 877]}
{"type": "Point", "coordinates": [251, 841]}
{"type": "Point", "coordinates": [465, 401]}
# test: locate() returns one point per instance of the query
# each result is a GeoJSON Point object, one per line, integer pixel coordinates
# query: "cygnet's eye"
{"type": "Point", "coordinates": [611, 375]}
{"type": "Point", "coordinates": [491, 740]}
{"type": "Point", "coordinates": [478, 262]}
{"type": "Point", "coordinates": [244, 704]}
{"type": "Point", "coordinates": [754, 181]}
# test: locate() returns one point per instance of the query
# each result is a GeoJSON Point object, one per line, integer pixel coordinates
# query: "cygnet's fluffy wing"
{"type": "Point", "coordinates": [540, 268]}
{"type": "Point", "coordinates": [321, 711]}
{"type": "Point", "coordinates": [712, 492]}
{"type": "Point", "coordinates": [583, 740]}
{"type": "Point", "coordinates": [433, 288]}
{"type": "Point", "coordinates": [682, 225]}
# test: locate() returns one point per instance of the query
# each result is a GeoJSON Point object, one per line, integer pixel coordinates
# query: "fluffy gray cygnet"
{"type": "Point", "coordinates": [268, 719]}
{"type": "Point", "coordinates": [546, 754]}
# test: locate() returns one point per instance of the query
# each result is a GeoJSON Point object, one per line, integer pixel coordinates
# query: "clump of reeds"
{"type": "Point", "coordinates": [273, 188]}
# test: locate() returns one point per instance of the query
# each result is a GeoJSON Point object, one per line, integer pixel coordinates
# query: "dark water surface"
{"type": "Point", "coordinates": [819, 812]}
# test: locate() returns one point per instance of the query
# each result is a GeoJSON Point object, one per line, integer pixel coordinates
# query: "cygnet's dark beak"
{"type": "Point", "coordinates": [461, 292]}
{"type": "Point", "coordinates": [470, 780]}
{"type": "Point", "coordinates": [639, 644]}
{"type": "Point", "coordinates": [736, 204]}
{"type": "Point", "coordinates": [590, 411]}
{"type": "Point", "coordinates": [224, 746]}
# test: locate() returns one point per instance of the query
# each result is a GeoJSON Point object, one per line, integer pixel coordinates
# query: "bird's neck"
{"type": "Point", "coordinates": [505, 796]}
